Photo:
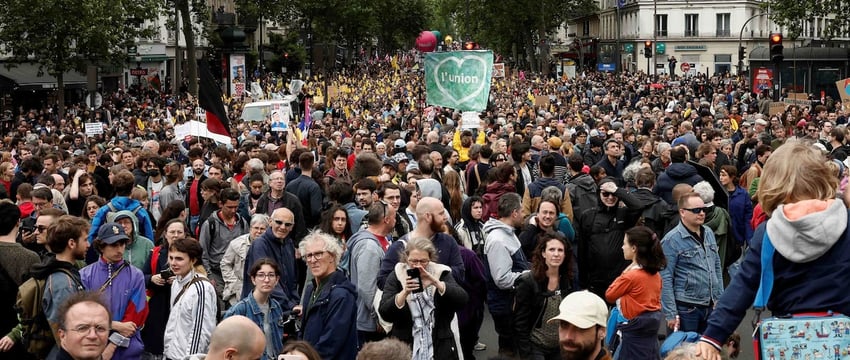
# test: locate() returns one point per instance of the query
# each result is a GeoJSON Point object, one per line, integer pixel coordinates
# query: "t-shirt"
{"type": "Point", "coordinates": [636, 292]}
{"type": "Point", "coordinates": [155, 189]}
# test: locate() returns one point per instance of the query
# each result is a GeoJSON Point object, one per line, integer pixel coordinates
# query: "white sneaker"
{"type": "Point", "coordinates": [480, 347]}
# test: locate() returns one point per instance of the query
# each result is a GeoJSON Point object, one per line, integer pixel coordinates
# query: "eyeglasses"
{"type": "Point", "coordinates": [318, 255]}
{"type": "Point", "coordinates": [265, 276]}
{"type": "Point", "coordinates": [281, 223]}
{"type": "Point", "coordinates": [606, 194]}
{"type": "Point", "coordinates": [696, 210]}
{"type": "Point", "coordinates": [40, 228]}
{"type": "Point", "coordinates": [415, 262]}
{"type": "Point", "coordinates": [85, 329]}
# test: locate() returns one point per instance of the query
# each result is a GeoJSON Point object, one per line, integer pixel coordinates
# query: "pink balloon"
{"type": "Point", "coordinates": [426, 42]}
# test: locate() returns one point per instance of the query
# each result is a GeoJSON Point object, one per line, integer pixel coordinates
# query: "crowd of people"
{"type": "Point", "coordinates": [587, 213]}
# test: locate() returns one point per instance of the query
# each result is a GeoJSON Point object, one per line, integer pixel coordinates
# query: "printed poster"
{"type": "Point", "coordinates": [458, 79]}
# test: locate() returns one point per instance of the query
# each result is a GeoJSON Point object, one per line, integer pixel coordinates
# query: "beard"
{"type": "Point", "coordinates": [437, 227]}
{"type": "Point", "coordinates": [584, 351]}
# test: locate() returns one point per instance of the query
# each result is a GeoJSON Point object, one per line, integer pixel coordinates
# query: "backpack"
{"type": "Point", "coordinates": [581, 198]}
{"type": "Point", "coordinates": [113, 210]}
{"type": "Point", "coordinates": [36, 334]}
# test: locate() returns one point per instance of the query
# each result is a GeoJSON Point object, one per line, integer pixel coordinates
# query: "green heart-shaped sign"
{"type": "Point", "coordinates": [460, 80]}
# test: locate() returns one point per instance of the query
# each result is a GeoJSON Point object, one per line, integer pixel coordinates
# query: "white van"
{"type": "Point", "coordinates": [261, 110]}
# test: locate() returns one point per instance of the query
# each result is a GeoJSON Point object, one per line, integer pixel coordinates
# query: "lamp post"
{"type": "Point", "coordinates": [740, 40]}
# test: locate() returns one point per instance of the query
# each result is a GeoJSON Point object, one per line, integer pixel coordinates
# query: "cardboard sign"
{"type": "Point", "coordinates": [333, 93]}
{"type": "Point", "coordinates": [798, 99]}
{"type": "Point", "coordinates": [95, 128]}
{"type": "Point", "coordinates": [541, 100]}
{"type": "Point", "coordinates": [776, 108]}
{"type": "Point", "coordinates": [844, 89]}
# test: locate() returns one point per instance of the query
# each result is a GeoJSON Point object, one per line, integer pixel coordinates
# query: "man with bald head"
{"type": "Point", "coordinates": [430, 224]}
{"type": "Point", "coordinates": [277, 244]}
{"type": "Point", "coordinates": [236, 338]}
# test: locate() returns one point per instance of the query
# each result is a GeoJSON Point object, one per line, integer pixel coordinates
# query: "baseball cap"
{"type": "Point", "coordinates": [399, 143]}
{"type": "Point", "coordinates": [391, 163]}
{"type": "Point", "coordinates": [111, 233]}
{"type": "Point", "coordinates": [583, 309]}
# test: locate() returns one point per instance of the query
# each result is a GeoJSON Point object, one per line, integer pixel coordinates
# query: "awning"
{"type": "Point", "coordinates": [26, 77]}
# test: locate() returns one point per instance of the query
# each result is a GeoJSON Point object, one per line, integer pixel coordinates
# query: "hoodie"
{"type": "Point", "coordinates": [676, 173]}
{"type": "Point", "coordinates": [810, 272]}
{"type": "Point", "coordinates": [364, 261]}
{"type": "Point", "coordinates": [504, 262]}
{"type": "Point", "coordinates": [139, 250]}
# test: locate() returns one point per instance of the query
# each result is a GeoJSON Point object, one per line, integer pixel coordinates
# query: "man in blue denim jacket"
{"type": "Point", "coordinates": [691, 282]}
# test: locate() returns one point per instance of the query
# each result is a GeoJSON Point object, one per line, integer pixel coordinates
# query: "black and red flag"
{"type": "Point", "coordinates": [209, 99]}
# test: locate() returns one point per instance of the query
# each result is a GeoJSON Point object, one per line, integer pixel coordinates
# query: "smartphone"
{"type": "Point", "coordinates": [167, 273]}
{"type": "Point", "coordinates": [414, 273]}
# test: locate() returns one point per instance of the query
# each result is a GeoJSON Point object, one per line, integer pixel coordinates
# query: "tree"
{"type": "Point", "coordinates": [795, 15]}
{"type": "Point", "coordinates": [514, 26]}
{"type": "Point", "coordinates": [60, 36]}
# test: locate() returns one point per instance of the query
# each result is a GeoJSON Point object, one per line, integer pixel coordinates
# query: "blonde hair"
{"type": "Point", "coordinates": [139, 194]}
{"type": "Point", "coordinates": [795, 172]}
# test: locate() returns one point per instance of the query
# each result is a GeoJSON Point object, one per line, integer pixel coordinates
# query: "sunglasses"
{"type": "Point", "coordinates": [607, 194]}
{"type": "Point", "coordinates": [281, 223]}
{"type": "Point", "coordinates": [696, 210]}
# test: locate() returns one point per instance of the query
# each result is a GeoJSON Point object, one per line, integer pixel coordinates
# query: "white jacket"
{"type": "Point", "coordinates": [192, 318]}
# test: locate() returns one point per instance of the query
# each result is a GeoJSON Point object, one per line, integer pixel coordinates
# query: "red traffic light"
{"type": "Point", "coordinates": [647, 43]}
{"type": "Point", "coordinates": [286, 55]}
{"type": "Point", "coordinates": [775, 38]}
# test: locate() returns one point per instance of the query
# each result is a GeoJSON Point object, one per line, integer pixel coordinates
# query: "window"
{"type": "Point", "coordinates": [691, 25]}
{"type": "Point", "coordinates": [585, 28]}
{"type": "Point", "coordinates": [723, 25]}
{"type": "Point", "coordinates": [661, 25]}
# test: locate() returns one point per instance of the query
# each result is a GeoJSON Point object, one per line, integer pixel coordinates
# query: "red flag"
{"type": "Point", "coordinates": [209, 98]}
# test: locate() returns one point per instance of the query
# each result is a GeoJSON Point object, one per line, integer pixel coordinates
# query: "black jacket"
{"type": "Point", "coordinates": [600, 231]}
{"type": "Point", "coordinates": [159, 306]}
{"type": "Point", "coordinates": [290, 202]}
{"type": "Point", "coordinates": [530, 304]}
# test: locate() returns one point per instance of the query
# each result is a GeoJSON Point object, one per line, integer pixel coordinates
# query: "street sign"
{"type": "Point", "coordinates": [138, 72]}
{"type": "Point", "coordinates": [685, 67]}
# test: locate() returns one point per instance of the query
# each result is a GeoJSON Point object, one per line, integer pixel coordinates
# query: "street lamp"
{"type": "Point", "coordinates": [740, 39]}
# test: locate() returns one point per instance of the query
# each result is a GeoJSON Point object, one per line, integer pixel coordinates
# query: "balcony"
{"type": "Point", "coordinates": [691, 33]}
{"type": "Point", "coordinates": [661, 33]}
{"type": "Point", "coordinates": [723, 33]}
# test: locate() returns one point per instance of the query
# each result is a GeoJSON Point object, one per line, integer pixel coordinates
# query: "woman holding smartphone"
{"type": "Point", "coordinates": [420, 299]}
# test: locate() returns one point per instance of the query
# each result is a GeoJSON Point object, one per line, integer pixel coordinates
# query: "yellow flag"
{"type": "Point", "coordinates": [140, 124]}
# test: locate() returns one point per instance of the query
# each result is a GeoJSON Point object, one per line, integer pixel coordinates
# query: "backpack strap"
{"type": "Point", "coordinates": [111, 207]}
{"type": "Point", "coordinates": [197, 278]}
{"type": "Point", "coordinates": [112, 277]}
{"type": "Point", "coordinates": [766, 281]}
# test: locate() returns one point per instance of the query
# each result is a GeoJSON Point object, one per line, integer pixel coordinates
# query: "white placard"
{"type": "Point", "coordinates": [95, 128]}
{"type": "Point", "coordinates": [197, 128]}
{"type": "Point", "coordinates": [470, 120]}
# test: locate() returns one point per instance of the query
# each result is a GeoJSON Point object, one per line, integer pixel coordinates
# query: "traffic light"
{"type": "Point", "coordinates": [776, 48]}
{"type": "Point", "coordinates": [647, 49]}
{"type": "Point", "coordinates": [470, 45]}
{"type": "Point", "coordinates": [742, 51]}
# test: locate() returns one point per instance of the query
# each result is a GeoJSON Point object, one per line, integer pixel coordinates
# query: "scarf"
{"type": "Point", "coordinates": [422, 311]}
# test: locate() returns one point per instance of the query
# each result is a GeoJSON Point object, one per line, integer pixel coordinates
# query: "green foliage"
{"type": "Point", "coordinates": [61, 35]}
{"type": "Point", "coordinates": [793, 15]}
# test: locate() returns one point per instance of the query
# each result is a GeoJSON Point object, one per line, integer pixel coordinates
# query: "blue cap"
{"type": "Point", "coordinates": [111, 233]}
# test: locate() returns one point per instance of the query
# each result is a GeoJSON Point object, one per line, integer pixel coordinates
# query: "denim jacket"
{"type": "Point", "coordinates": [249, 308]}
{"type": "Point", "coordinates": [693, 273]}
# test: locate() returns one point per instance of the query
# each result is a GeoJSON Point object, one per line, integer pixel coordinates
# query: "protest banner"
{"type": "Point", "coordinates": [94, 128]}
{"type": "Point", "coordinates": [499, 70]}
{"type": "Point", "coordinates": [844, 90]}
{"type": "Point", "coordinates": [458, 79]}
{"type": "Point", "coordinates": [776, 108]}
{"type": "Point", "coordinates": [541, 100]}
{"type": "Point", "coordinates": [197, 128]}
{"type": "Point", "coordinates": [471, 120]}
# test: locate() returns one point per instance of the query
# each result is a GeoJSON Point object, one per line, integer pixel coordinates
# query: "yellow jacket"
{"type": "Point", "coordinates": [463, 152]}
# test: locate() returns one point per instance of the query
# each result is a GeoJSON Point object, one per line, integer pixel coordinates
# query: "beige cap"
{"type": "Point", "coordinates": [583, 309]}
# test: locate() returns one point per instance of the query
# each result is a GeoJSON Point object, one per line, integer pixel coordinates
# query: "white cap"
{"type": "Point", "coordinates": [583, 309]}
